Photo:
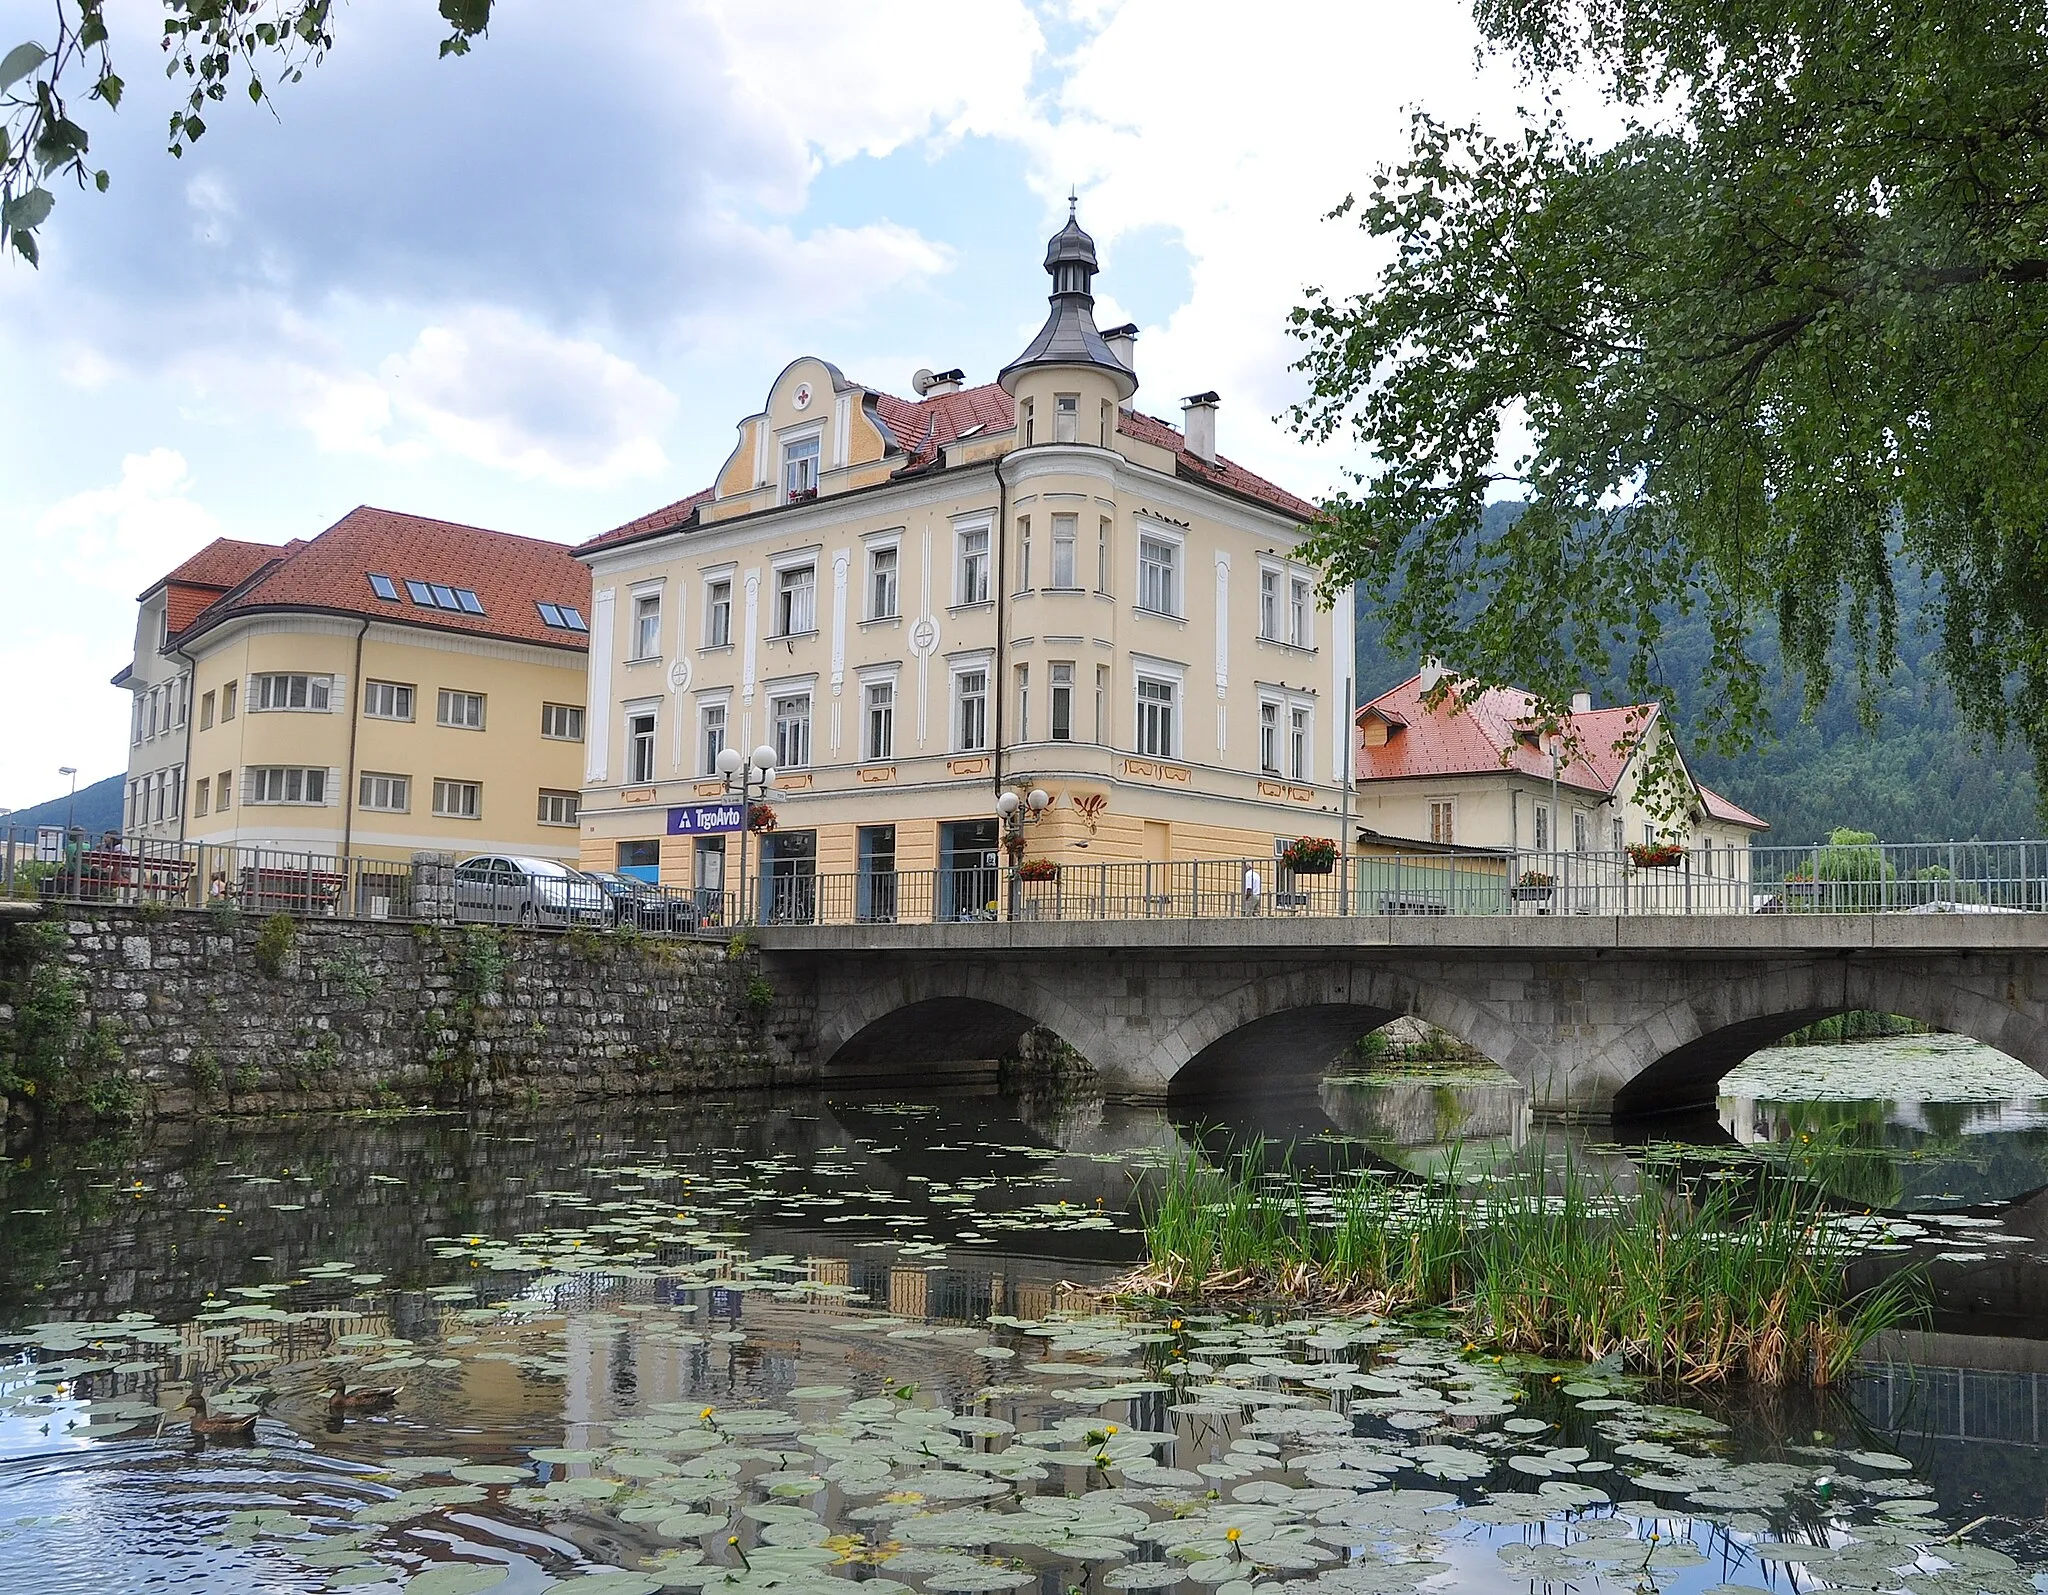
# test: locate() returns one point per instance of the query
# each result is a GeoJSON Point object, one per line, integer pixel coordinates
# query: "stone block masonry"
{"type": "Point", "coordinates": [178, 1014]}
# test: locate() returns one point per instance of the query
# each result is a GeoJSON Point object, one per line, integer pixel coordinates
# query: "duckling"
{"type": "Point", "coordinates": [343, 1399]}
{"type": "Point", "coordinates": [229, 1426]}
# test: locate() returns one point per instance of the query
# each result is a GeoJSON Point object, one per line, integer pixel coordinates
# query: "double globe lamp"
{"type": "Point", "coordinates": [750, 777]}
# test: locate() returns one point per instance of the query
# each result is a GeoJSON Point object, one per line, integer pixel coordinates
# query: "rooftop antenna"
{"type": "Point", "coordinates": [1073, 200]}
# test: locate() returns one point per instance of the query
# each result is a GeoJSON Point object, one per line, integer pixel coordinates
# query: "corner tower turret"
{"type": "Point", "coordinates": [1067, 383]}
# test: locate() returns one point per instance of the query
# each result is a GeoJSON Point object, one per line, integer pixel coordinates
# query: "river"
{"type": "Point", "coordinates": [786, 1344]}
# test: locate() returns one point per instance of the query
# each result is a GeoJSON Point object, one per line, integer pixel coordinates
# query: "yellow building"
{"type": "Point", "coordinates": [394, 684]}
{"type": "Point", "coordinates": [923, 605]}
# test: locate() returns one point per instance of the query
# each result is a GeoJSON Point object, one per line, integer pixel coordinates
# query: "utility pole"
{"type": "Point", "coordinates": [1347, 772]}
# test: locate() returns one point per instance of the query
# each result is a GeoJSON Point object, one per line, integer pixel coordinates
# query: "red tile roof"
{"type": "Point", "coordinates": [921, 428]}
{"type": "Point", "coordinates": [665, 519]}
{"type": "Point", "coordinates": [1493, 733]}
{"type": "Point", "coordinates": [1719, 808]}
{"type": "Point", "coordinates": [330, 574]}
{"type": "Point", "coordinates": [223, 563]}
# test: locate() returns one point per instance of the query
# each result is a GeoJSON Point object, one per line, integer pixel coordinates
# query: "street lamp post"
{"type": "Point", "coordinates": [750, 777]}
{"type": "Point", "coordinates": [71, 802]}
{"type": "Point", "coordinates": [1012, 811]}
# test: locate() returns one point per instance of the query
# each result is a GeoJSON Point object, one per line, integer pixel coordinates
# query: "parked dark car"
{"type": "Point", "coordinates": [643, 906]}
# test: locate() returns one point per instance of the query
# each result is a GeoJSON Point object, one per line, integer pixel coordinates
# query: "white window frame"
{"type": "Point", "coordinates": [446, 700]}
{"type": "Point", "coordinates": [800, 448]}
{"type": "Point", "coordinates": [572, 713]}
{"type": "Point", "coordinates": [878, 719]}
{"type": "Point", "coordinates": [319, 693]}
{"type": "Point", "coordinates": [642, 744]}
{"type": "Point", "coordinates": [796, 599]}
{"type": "Point", "coordinates": [1059, 691]}
{"type": "Point", "coordinates": [467, 796]}
{"type": "Point", "coordinates": [791, 732]}
{"type": "Point", "coordinates": [380, 793]}
{"type": "Point", "coordinates": [1146, 719]}
{"type": "Point", "coordinates": [202, 792]}
{"type": "Point", "coordinates": [1269, 735]}
{"type": "Point", "coordinates": [646, 634]}
{"type": "Point", "coordinates": [1064, 574]}
{"type": "Point", "coordinates": [970, 727]}
{"type": "Point", "coordinates": [1301, 741]}
{"type": "Point", "coordinates": [551, 797]}
{"type": "Point", "coordinates": [972, 580]}
{"type": "Point", "coordinates": [709, 709]}
{"type": "Point", "coordinates": [1301, 612]}
{"type": "Point", "coordinates": [717, 609]}
{"type": "Point", "coordinates": [885, 586]}
{"type": "Point", "coordinates": [258, 777]}
{"type": "Point", "coordinates": [1443, 821]}
{"type": "Point", "coordinates": [1021, 673]}
{"type": "Point", "coordinates": [1270, 578]}
{"type": "Point", "coordinates": [1066, 418]}
{"type": "Point", "coordinates": [376, 694]}
{"type": "Point", "coordinates": [1176, 547]}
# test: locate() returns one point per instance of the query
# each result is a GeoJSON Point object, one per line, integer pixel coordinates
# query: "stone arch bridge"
{"type": "Point", "coordinates": [1597, 1017]}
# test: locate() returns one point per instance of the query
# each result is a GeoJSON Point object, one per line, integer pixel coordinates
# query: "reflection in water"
{"type": "Point", "coordinates": [562, 1297]}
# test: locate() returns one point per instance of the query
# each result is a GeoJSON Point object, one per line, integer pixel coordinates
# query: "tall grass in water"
{"type": "Point", "coordinates": [1731, 1283]}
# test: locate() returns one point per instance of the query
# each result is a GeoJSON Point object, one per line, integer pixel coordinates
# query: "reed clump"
{"type": "Point", "coordinates": [1729, 1281]}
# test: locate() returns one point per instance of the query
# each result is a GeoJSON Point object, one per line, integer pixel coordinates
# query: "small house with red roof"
{"type": "Point", "coordinates": [394, 684]}
{"type": "Point", "coordinates": [1444, 766]}
{"type": "Point", "coordinates": [922, 606]}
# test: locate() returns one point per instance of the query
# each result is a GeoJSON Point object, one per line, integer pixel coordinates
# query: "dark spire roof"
{"type": "Point", "coordinates": [1069, 336]}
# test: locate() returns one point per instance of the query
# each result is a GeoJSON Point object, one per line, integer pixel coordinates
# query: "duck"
{"type": "Point", "coordinates": [343, 1399]}
{"type": "Point", "coordinates": [228, 1426]}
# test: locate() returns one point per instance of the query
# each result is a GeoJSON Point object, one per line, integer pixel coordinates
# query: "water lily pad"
{"type": "Point", "coordinates": [456, 1578]}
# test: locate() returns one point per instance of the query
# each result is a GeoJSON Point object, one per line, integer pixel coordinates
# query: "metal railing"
{"type": "Point", "coordinates": [1893, 878]}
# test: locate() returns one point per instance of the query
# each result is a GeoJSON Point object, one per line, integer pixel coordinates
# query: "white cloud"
{"type": "Point", "coordinates": [85, 558]}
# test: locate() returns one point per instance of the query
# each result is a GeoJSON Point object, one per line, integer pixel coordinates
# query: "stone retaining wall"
{"type": "Point", "coordinates": [184, 1013]}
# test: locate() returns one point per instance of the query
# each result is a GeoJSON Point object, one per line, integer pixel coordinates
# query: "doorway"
{"type": "Point", "coordinates": [789, 869]}
{"type": "Point", "coordinates": [967, 869]}
{"type": "Point", "coordinates": [875, 887]}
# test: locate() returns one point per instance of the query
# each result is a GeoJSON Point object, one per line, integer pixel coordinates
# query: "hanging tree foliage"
{"type": "Point", "coordinates": [1783, 337]}
{"type": "Point", "coordinates": [212, 48]}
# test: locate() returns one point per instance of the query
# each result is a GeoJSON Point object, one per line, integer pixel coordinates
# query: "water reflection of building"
{"type": "Point", "coordinates": [1759, 1120]}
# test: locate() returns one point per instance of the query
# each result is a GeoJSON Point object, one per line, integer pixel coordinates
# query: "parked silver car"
{"type": "Point", "coordinates": [506, 889]}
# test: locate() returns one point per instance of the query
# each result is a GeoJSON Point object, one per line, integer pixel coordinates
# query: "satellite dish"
{"type": "Point", "coordinates": [921, 380]}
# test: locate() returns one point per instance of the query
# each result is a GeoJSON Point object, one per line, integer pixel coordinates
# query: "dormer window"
{"type": "Point", "coordinates": [1066, 418]}
{"type": "Point", "coordinates": [800, 471]}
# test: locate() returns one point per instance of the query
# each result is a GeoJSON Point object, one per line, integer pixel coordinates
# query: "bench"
{"type": "Point", "coordinates": [104, 870]}
{"type": "Point", "coordinates": [304, 891]}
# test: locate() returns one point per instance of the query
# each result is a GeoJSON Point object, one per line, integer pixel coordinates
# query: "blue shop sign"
{"type": "Point", "coordinates": [706, 819]}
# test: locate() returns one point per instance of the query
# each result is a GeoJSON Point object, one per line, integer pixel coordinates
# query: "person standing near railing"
{"type": "Point", "coordinates": [1253, 888]}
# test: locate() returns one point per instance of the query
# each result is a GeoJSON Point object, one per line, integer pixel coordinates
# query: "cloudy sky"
{"type": "Point", "coordinates": [535, 288]}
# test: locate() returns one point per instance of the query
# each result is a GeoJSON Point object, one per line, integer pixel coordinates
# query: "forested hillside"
{"type": "Point", "coordinates": [1918, 777]}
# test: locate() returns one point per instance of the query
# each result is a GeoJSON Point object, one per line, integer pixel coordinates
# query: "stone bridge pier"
{"type": "Point", "coordinates": [1597, 1017]}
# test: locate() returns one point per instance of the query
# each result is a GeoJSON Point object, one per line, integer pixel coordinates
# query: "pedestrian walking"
{"type": "Point", "coordinates": [1253, 887]}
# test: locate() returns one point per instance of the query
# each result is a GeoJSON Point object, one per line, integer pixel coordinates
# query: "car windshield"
{"type": "Point", "coordinates": [542, 866]}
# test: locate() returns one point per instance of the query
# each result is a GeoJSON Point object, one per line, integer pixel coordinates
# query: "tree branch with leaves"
{"type": "Point", "coordinates": [1779, 340]}
{"type": "Point", "coordinates": [219, 48]}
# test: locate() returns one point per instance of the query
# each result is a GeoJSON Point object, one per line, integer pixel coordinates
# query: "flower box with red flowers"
{"type": "Point", "coordinates": [1655, 855]}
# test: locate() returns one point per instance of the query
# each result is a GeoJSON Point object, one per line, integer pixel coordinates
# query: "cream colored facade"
{"type": "Point", "coordinates": [379, 747]}
{"type": "Point", "coordinates": [160, 689]}
{"type": "Point", "coordinates": [1062, 596]}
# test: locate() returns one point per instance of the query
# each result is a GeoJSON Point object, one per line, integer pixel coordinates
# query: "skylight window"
{"type": "Point", "coordinates": [471, 604]}
{"type": "Point", "coordinates": [445, 597]}
{"type": "Point", "coordinates": [383, 587]}
{"type": "Point", "coordinates": [420, 594]}
{"type": "Point", "coordinates": [574, 617]}
{"type": "Point", "coordinates": [563, 617]}
{"type": "Point", "coordinates": [551, 616]}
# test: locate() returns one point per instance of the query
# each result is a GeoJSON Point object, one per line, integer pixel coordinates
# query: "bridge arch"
{"type": "Point", "coordinates": [900, 1022]}
{"type": "Point", "coordinates": [1673, 1059]}
{"type": "Point", "coordinates": [1283, 1029]}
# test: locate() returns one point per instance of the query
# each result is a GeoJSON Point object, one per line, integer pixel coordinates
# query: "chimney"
{"type": "Point", "coordinates": [936, 384]}
{"type": "Point", "coordinates": [1432, 674]}
{"type": "Point", "coordinates": [1123, 343]}
{"type": "Point", "coordinates": [1198, 424]}
{"type": "Point", "coordinates": [1582, 703]}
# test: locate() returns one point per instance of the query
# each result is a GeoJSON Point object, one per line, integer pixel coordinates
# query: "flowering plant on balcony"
{"type": "Point", "coordinates": [1534, 878]}
{"type": "Point", "coordinates": [1655, 855]}
{"type": "Point", "coordinates": [1309, 855]}
{"type": "Point", "coordinates": [760, 817]}
{"type": "Point", "coordinates": [1038, 869]}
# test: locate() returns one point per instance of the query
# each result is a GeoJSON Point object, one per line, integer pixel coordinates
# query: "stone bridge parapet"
{"type": "Point", "coordinates": [1595, 1016]}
